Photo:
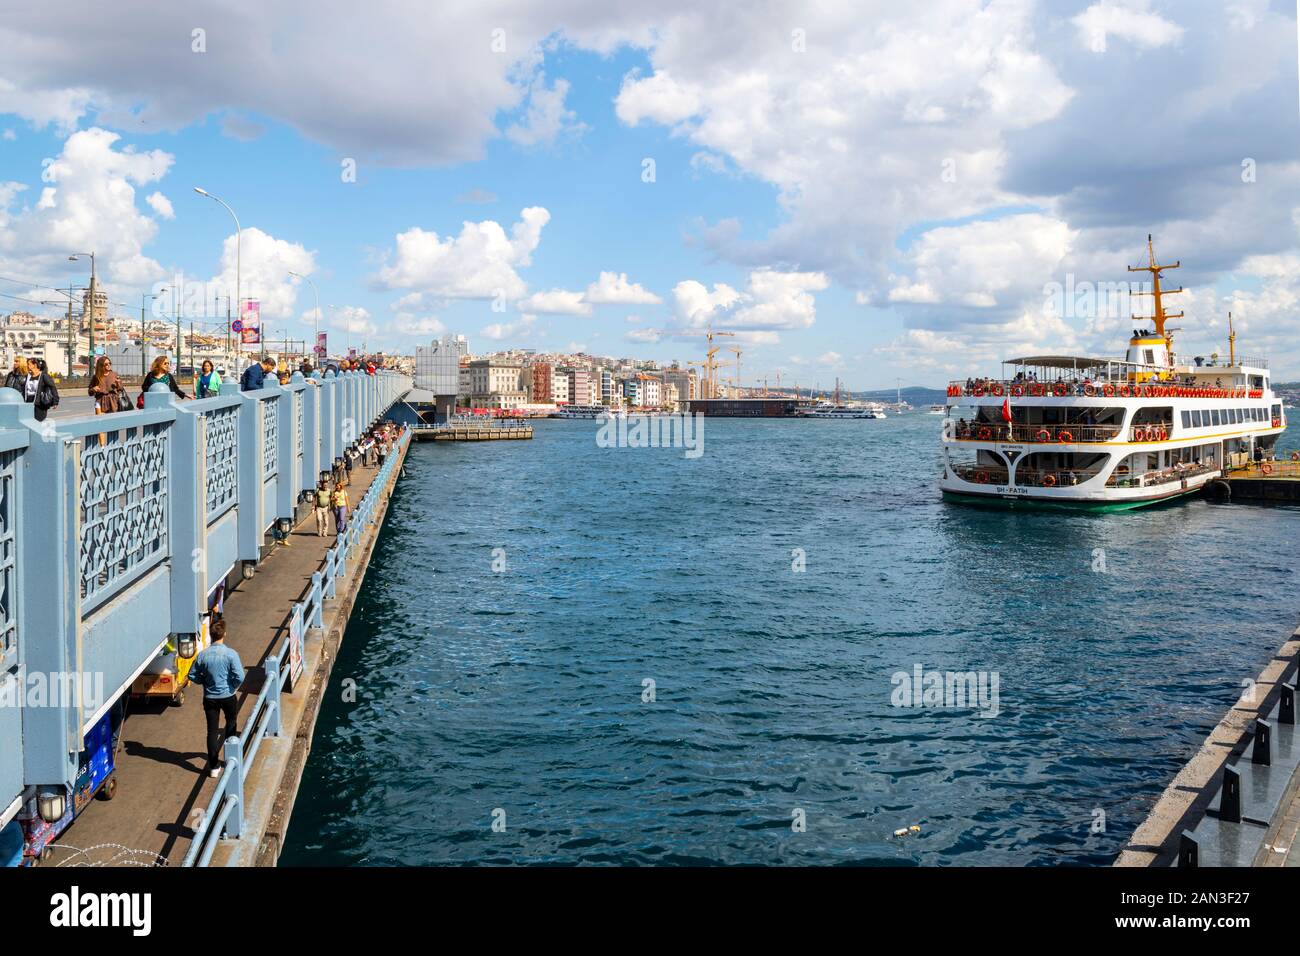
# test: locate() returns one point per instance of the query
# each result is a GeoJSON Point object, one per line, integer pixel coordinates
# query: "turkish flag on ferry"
{"type": "Point", "coordinates": [1006, 410]}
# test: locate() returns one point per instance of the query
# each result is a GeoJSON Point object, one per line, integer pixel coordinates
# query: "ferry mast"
{"type": "Point", "coordinates": [1156, 292]}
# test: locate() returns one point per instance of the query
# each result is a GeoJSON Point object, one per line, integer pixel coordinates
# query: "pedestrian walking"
{"type": "Point", "coordinates": [339, 501]}
{"type": "Point", "coordinates": [107, 390]}
{"type": "Point", "coordinates": [219, 671]}
{"type": "Point", "coordinates": [322, 508]}
{"type": "Point", "coordinates": [209, 381]}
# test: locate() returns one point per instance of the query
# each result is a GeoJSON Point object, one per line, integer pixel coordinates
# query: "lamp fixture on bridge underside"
{"type": "Point", "coordinates": [186, 647]}
{"type": "Point", "coordinates": [52, 804]}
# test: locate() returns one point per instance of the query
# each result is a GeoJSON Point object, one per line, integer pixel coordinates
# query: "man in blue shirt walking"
{"type": "Point", "coordinates": [219, 670]}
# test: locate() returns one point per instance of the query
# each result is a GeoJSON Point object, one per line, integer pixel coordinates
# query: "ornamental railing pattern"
{"type": "Point", "coordinates": [297, 417]}
{"type": "Point", "coordinates": [123, 508]}
{"type": "Point", "coordinates": [8, 569]}
{"type": "Point", "coordinates": [270, 436]}
{"type": "Point", "coordinates": [221, 460]}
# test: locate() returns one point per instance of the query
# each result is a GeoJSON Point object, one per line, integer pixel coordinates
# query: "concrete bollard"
{"type": "Point", "coordinates": [1189, 850]}
{"type": "Point", "coordinates": [1286, 705]}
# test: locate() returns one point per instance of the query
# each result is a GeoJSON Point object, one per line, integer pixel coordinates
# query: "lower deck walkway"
{"type": "Point", "coordinates": [162, 784]}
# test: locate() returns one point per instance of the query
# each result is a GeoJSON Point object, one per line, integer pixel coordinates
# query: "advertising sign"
{"type": "Point", "coordinates": [295, 647]}
{"type": "Point", "coordinates": [250, 323]}
{"type": "Point", "coordinates": [321, 349]}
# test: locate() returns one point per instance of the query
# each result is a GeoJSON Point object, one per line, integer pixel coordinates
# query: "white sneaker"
{"type": "Point", "coordinates": [214, 772]}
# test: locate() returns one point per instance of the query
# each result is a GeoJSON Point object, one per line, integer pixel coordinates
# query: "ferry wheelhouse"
{"type": "Point", "coordinates": [1106, 434]}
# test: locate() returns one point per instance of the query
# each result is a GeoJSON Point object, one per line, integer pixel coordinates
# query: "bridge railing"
{"type": "Point", "coordinates": [224, 818]}
{"type": "Point", "coordinates": [126, 524]}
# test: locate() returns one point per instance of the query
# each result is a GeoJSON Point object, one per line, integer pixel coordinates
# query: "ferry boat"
{"type": "Point", "coordinates": [581, 411]}
{"type": "Point", "coordinates": [843, 411]}
{"type": "Point", "coordinates": [1102, 434]}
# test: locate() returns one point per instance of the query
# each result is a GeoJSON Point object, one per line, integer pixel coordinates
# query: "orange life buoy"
{"type": "Point", "coordinates": [1139, 434]}
{"type": "Point", "coordinates": [1109, 391]}
{"type": "Point", "coordinates": [1058, 389]}
{"type": "Point", "coordinates": [1164, 433]}
{"type": "Point", "coordinates": [1089, 391]}
{"type": "Point", "coordinates": [1049, 481]}
{"type": "Point", "coordinates": [1064, 436]}
{"type": "Point", "coordinates": [1266, 468]}
{"type": "Point", "coordinates": [1017, 391]}
{"type": "Point", "coordinates": [981, 477]}
{"type": "Point", "coordinates": [977, 391]}
{"type": "Point", "coordinates": [996, 390]}
{"type": "Point", "coordinates": [1043, 435]}
{"type": "Point", "coordinates": [985, 433]}
{"type": "Point", "coordinates": [1125, 391]}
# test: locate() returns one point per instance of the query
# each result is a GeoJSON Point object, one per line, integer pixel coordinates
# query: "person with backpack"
{"type": "Point", "coordinates": [322, 508]}
{"type": "Point", "coordinates": [39, 389]}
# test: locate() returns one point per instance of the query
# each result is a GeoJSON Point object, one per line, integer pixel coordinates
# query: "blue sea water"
{"type": "Point", "coordinates": [519, 696]}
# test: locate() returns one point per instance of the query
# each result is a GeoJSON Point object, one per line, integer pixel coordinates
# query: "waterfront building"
{"type": "Point", "coordinates": [437, 371]}
{"type": "Point", "coordinates": [537, 382]}
{"type": "Point", "coordinates": [684, 380]}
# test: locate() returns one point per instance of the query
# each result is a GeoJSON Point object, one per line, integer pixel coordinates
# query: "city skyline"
{"type": "Point", "coordinates": [605, 182]}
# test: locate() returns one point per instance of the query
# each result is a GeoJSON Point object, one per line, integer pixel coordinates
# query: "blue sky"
{"type": "Point", "coordinates": [874, 197]}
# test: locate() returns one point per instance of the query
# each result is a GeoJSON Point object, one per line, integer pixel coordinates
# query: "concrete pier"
{"type": "Point", "coordinates": [1189, 812]}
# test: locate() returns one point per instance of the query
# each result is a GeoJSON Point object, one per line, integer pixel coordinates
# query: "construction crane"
{"type": "Point", "coordinates": [736, 349]}
{"type": "Point", "coordinates": [709, 380]}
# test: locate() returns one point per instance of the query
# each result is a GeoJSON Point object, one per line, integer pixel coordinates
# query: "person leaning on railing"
{"type": "Point", "coordinates": [160, 373]}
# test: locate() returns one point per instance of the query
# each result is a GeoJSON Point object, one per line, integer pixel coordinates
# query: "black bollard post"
{"type": "Point", "coordinates": [1230, 795]}
{"type": "Point", "coordinates": [1189, 850]}
{"type": "Point", "coordinates": [1263, 750]}
{"type": "Point", "coordinates": [1286, 705]}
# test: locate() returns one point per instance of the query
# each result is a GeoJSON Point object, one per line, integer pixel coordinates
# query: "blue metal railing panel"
{"type": "Point", "coordinates": [221, 459]}
{"type": "Point", "coordinates": [122, 487]}
{"type": "Point", "coordinates": [8, 561]}
{"type": "Point", "coordinates": [270, 435]}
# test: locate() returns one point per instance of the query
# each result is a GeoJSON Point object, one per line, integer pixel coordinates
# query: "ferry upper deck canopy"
{"type": "Point", "coordinates": [1053, 368]}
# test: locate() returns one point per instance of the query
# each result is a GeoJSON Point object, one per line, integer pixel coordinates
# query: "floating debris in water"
{"type": "Point", "coordinates": [907, 831]}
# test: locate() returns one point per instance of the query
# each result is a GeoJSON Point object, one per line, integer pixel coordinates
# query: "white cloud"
{"type": "Point", "coordinates": [613, 288]}
{"type": "Point", "coordinates": [479, 263]}
{"type": "Point", "coordinates": [86, 205]}
{"type": "Point", "coordinates": [556, 302]}
{"type": "Point", "coordinates": [984, 264]}
{"type": "Point", "coordinates": [1127, 21]}
{"type": "Point", "coordinates": [499, 331]}
{"type": "Point", "coordinates": [161, 205]}
{"type": "Point", "coordinates": [546, 117]}
{"type": "Point", "coordinates": [771, 300]}
{"type": "Point", "coordinates": [658, 97]}
{"type": "Point", "coordinates": [265, 264]}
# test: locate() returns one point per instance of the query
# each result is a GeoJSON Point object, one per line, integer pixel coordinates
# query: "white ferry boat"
{"type": "Point", "coordinates": [581, 411]}
{"type": "Point", "coordinates": [1106, 434]}
{"type": "Point", "coordinates": [843, 411]}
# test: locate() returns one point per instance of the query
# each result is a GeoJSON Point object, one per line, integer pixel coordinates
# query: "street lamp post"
{"type": "Point", "coordinates": [73, 258]}
{"type": "Point", "coordinates": [143, 339]}
{"type": "Point", "coordinates": [316, 340]}
{"type": "Point", "coordinates": [238, 256]}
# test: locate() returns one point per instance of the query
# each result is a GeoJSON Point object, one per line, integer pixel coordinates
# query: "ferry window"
{"type": "Point", "coordinates": [1214, 417]}
{"type": "Point", "coordinates": [1187, 419]}
{"type": "Point", "coordinates": [1150, 356]}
